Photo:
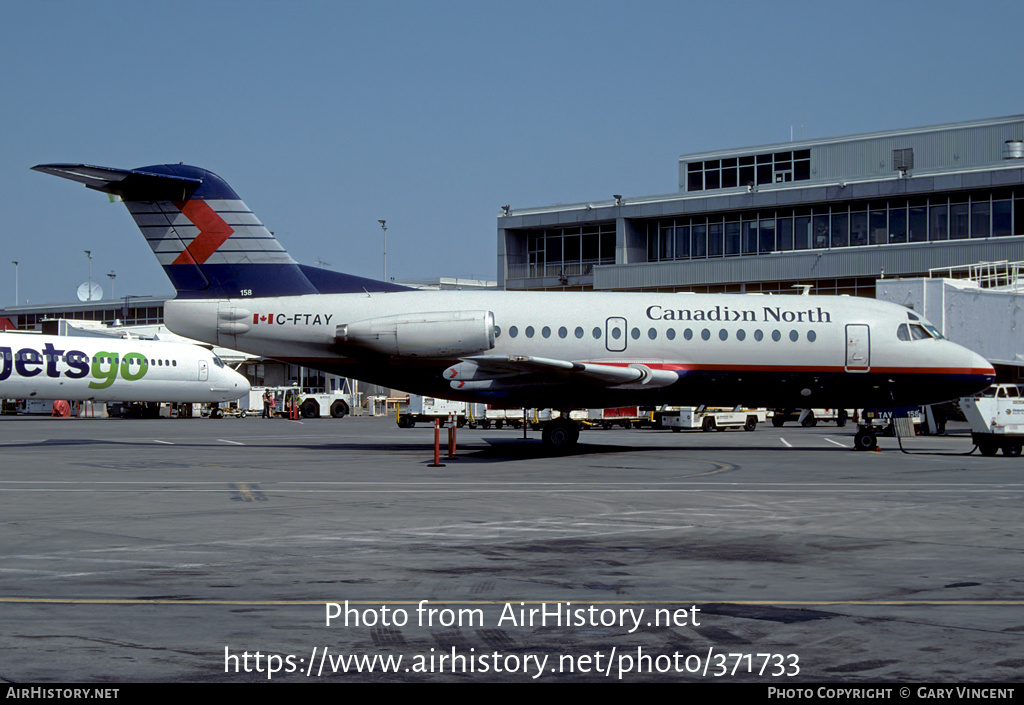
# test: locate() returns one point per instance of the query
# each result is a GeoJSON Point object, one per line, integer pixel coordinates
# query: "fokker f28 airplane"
{"type": "Point", "coordinates": [237, 287]}
{"type": "Point", "coordinates": [112, 369]}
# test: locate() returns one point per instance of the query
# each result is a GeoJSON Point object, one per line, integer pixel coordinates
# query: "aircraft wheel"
{"type": "Point", "coordinates": [865, 440]}
{"type": "Point", "coordinates": [751, 423]}
{"type": "Point", "coordinates": [338, 409]}
{"type": "Point", "coordinates": [560, 435]}
{"type": "Point", "coordinates": [1012, 450]}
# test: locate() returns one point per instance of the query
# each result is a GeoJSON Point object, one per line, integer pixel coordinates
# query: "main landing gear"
{"type": "Point", "coordinates": [561, 434]}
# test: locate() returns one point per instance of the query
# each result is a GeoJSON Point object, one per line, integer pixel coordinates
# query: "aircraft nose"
{"type": "Point", "coordinates": [242, 384]}
{"type": "Point", "coordinates": [980, 371]}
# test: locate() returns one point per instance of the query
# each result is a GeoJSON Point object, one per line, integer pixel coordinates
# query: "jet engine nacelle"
{"type": "Point", "coordinates": [430, 334]}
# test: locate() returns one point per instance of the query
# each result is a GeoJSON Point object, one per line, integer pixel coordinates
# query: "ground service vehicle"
{"type": "Point", "coordinates": [996, 416]}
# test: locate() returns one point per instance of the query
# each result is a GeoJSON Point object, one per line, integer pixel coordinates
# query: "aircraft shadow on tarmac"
{"type": "Point", "coordinates": [507, 449]}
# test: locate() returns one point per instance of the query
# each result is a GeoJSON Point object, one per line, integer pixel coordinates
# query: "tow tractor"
{"type": "Point", "coordinates": [997, 419]}
{"type": "Point", "coordinates": [901, 420]}
{"type": "Point", "coordinates": [710, 419]}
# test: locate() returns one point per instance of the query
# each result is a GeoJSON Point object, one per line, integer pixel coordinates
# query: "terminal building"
{"type": "Point", "coordinates": [834, 214]}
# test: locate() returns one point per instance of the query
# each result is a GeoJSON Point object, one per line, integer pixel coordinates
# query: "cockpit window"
{"type": "Point", "coordinates": [217, 361]}
{"type": "Point", "coordinates": [918, 332]}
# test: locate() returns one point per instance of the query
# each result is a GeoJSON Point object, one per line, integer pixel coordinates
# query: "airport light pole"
{"type": "Point", "coordinates": [88, 253]}
{"type": "Point", "coordinates": [15, 263]}
{"type": "Point", "coordinates": [384, 227]}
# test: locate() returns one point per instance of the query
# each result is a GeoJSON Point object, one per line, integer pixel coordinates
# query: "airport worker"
{"type": "Point", "coordinates": [268, 403]}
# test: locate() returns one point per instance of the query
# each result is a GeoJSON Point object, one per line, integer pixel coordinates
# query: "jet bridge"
{"type": "Point", "coordinates": [979, 306]}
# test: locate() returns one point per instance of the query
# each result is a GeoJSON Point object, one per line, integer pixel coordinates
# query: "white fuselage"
{"type": "Point", "coordinates": [811, 348]}
{"type": "Point", "coordinates": [101, 369]}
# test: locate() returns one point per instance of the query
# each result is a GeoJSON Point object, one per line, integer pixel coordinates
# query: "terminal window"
{"type": "Point", "coordinates": [749, 170]}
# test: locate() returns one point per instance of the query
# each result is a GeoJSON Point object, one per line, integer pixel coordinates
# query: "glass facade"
{"type": "Point", "coordinates": [749, 170]}
{"type": "Point", "coordinates": [129, 316]}
{"type": "Point", "coordinates": [889, 221]}
{"type": "Point", "coordinates": [570, 251]}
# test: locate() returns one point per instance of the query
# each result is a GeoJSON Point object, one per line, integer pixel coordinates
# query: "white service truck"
{"type": "Point", "coordinates": [425, 409]}
{"type": "Point", "coordinates": [996, 416]}
{"type": "Point", "coordinates": [312, 405]}
{"type": "Point", "coordinates": [711, 419]}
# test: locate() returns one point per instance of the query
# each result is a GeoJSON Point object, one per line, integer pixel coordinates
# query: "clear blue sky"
{"type": "Point", "coordinates": [326, 116]}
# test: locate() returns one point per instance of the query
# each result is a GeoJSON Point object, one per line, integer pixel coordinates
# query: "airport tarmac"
{"type": "Point", "coordinates": [179, 549]}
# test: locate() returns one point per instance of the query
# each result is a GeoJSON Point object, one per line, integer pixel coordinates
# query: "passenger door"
{"type": "Point", "coordinates": [615, 334]}
{"type": "Point", "coordinates": [858, 347]}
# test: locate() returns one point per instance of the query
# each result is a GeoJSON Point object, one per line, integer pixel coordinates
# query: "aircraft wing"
{"type": "Point", "coordinates": [496, 372]}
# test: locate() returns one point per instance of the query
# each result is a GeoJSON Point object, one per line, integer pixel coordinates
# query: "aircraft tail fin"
{"type": "Point", "coordinates": [204, 236]}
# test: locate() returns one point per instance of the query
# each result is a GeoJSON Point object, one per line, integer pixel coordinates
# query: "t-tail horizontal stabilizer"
{"type": "Point", "coordinates": [204, 236]}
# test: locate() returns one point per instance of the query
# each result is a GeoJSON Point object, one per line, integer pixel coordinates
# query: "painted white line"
{"type": "Point", "coordinates": [841, 445]}
{"type": "Point", "coordinates": [166, 443]}
{"type": "Point", "coordinates": [222, 440]}
{"type": "Point", "coordinates": [786, 443]}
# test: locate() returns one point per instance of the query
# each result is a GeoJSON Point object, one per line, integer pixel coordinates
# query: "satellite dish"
{"type": "Point", "coordinates": [87, 292]}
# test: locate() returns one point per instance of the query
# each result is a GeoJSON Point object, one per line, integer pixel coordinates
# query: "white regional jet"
{"type": "Point", "coordinates": [112, 369]}
{"type": "Point", "coordinates": [237, 287]}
